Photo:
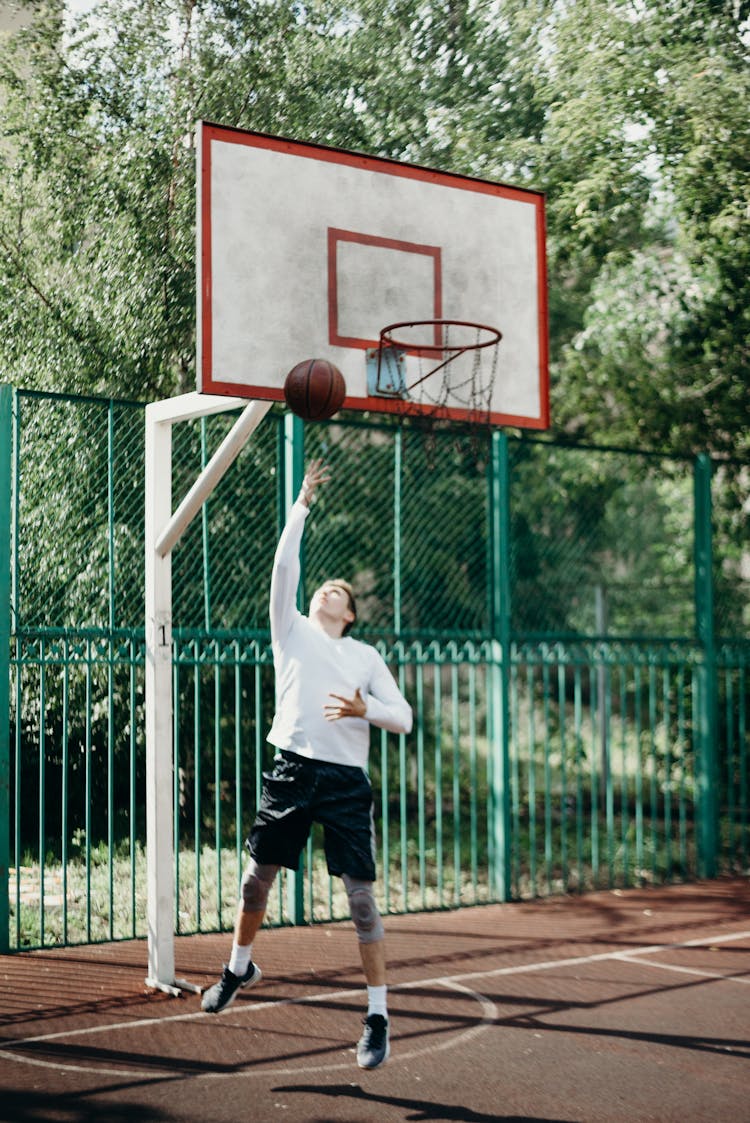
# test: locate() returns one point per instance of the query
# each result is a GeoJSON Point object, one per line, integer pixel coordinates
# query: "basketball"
{"type": "Point", "coordinates": [315, 389]}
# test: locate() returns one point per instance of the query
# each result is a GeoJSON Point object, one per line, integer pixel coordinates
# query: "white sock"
{"type": "Point", "coordinates": [376, 1002]}
{"type": "Point", "coordinates": [240, 960]}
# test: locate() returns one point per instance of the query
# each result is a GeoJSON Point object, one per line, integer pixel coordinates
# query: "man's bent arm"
{"type": "Point", "coordinates": [386, 706]}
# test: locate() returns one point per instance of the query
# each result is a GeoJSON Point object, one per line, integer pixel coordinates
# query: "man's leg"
{"type": "Point", "coordinates": [247, 924]}
{"type": "Point", "coordinates": [373, 962]}
{"type": "Point", "coordinates": [241, 971]}
{"type": "Point", "coordinates": [374, 1045]}
{"type": "Point", "coordinates": [256, 885]}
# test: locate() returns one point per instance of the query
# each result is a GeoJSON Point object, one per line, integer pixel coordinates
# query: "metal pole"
{"type": "Point", "coordinates": [162, 531]}
{"type": "Point", "coordinates": [205, 539]}
{"type": "Point", "coordinates": [600, 627]}
{"type": "Point", "coordinates": [222, 459]}
{"type": "Point", "coordinates": [293, 474]}
{"type": "Point", "coordinates": [110, 664]}
{"type": "Point", "coordinates": [6, 452]}
{"type": "Point", "coordinates": [397, 485]}
{"type": "Point", "coordinates": [159, 813]}
{"type": "Point", "coordinates": [707, 717]}
{"type": "Point", "coordinates": [501, 605]}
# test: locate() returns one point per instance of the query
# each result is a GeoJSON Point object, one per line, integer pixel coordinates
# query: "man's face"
{"type": "Point", "coordinates": [331, 601]}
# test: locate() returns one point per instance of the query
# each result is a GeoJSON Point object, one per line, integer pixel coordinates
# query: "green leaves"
{"type": "Point", "coordinates": [632, 119]}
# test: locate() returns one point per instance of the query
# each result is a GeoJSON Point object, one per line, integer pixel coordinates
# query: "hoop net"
{"type": "Point", "coordinates": [432, 367]}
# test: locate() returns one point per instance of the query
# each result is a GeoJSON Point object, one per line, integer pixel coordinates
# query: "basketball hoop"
{"type": "Point", "coordinates": [467, 357]}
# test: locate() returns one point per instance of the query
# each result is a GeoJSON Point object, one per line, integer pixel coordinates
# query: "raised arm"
{"type": "Point", "coordinates": [286, 566]}
{"type": "Point", "coordinates": [317, 473]}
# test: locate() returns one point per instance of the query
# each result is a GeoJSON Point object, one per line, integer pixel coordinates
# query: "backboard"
{"type": "Point", "coordinates": [308, 252]}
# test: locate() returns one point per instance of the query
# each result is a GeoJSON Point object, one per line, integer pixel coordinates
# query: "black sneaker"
{"type": "Point", "coordinates": [374, 1046]}
{"type": "Point", "coordinates": [223, 993]}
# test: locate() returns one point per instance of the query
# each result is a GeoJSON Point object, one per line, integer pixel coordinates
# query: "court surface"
{"type": "Point", "coordinates": [618, 1005]}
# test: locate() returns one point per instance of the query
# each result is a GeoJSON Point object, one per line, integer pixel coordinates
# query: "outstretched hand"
{"type": "Point", "coordinates": [317, 473]}
{"type": "Point", "coordinates": [345, 707]}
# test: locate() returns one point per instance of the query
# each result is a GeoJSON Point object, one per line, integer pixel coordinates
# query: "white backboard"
{"type": "Point", "coordinates": [308, 252]}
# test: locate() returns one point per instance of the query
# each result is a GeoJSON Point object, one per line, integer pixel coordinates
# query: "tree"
{"type": "Point", "coordinates": [650, 223]}
{"type": "Point", "coordinates": [98, 223]}
{"type": "Point", "coordinates": [632, 117]}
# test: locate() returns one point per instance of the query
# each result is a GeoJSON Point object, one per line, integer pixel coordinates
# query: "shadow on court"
{"type": "Point", "coordinates": [416, 1109]}
{"type": "Point", "coordinates": [619, 1006]}
{"type": "Point", "coordinates": [45, 1107]}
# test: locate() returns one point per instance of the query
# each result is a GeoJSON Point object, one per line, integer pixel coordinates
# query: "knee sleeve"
{"type": "Point", "coordinates": [256, 885]}
{"type": "Point", "coordinates": [364, 910]}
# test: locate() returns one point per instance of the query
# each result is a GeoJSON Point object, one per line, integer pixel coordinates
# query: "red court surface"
{"type": "Point", "coordinates": [619, 1005]}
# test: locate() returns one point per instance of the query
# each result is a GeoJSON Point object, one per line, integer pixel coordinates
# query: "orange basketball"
{"type": "Point", "coordinates": [315, 389]}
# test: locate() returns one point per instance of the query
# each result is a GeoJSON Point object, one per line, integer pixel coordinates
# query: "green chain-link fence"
{"type": "Point", "coordinates": [569, 624]}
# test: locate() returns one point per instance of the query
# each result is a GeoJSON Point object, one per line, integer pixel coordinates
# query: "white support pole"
{"type": "Point", "coordinates": [185, 407]}
{"type": "Point", "coordinates": [162, 531]}
{"type": "Point", "coordinates": [222, 459]}
{"type": "Point", "coordinates": [159, 813]}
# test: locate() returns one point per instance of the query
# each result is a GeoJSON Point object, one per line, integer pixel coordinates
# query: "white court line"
{"type": "Point", "coordinates": [626, 958]}
{"type": "Point", "coordinates": [455, 982]}
{"type": "Point", "coordinates": [550, 964]}
{"type": "Point", "coordinates": [489, 1015]}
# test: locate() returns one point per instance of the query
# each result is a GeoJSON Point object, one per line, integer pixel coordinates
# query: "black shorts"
{"type": "Point", "coordinates": [300, 792]}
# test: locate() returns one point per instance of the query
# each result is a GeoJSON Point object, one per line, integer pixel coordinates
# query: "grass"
{"type": "Point", "coordinates": [103, 898]}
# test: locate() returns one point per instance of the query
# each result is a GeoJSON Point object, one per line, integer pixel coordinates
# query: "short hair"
{"type": "Point", "coordinates": [342, 584]}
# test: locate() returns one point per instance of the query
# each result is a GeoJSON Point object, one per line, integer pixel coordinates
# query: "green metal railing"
{"type": "Point", "coordinates": [77, 796]}
{"type": "Point", "coordinates": [560, 619]}
{"type": "Point", "coordinates": [603, 779]}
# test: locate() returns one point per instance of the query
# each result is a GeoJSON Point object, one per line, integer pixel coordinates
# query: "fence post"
{"type": "Point", "coordinates": [707, 716]}
{"type": "Point", "coordinates": [398, 450]}
{"type": "Point", "coordinates": [293, 471]}
{"type": "Point", "coordinates": [6, 453]}
{"type": "Point", "coordinates": [500, 702]}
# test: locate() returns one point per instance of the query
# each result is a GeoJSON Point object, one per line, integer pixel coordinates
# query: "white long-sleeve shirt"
{"type": "Point", "coordinates": [310, 665]}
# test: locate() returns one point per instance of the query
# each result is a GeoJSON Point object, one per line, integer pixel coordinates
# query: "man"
{"type": "Point", "coordinates": [329, 689]}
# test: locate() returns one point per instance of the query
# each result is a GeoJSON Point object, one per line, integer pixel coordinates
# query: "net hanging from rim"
{"type": "Point", "coordinates": [430, 367]}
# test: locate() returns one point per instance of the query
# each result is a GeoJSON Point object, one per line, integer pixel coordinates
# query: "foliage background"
{"type": "Point", "coordinates": [631, 115]}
